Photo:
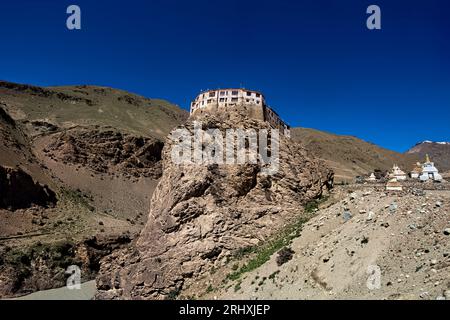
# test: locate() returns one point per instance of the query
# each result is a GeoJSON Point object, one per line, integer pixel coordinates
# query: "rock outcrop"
{"type": "Point", "coordinates": [106, 151]}
{"type": "Point", "coordinates": [18, 190]}
{"type": "Point", "coordinates": [44, 265]}
{"type": "Point", "coordinates": [201, 214]}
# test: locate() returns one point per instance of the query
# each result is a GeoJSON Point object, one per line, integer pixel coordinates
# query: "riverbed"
{"type": "Point", "coordinates": [86, 292]}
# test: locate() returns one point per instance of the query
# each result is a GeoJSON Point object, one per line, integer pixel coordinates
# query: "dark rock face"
{"type": "Point", "coordinates": [43, 266]}
{"type": "Point", "coordinates": [201, 214]}
{"type": "Point", "coordinates": [6, 118]}
{"type": "Point", "coordinates": [19, 191]}
{"type": "Point", "coordinates": [284, 255]}
{"type": "Point", "coordinates": [105, 151]}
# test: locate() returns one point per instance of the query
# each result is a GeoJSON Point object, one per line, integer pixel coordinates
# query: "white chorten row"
{"type": "Point", "coordinates": [424, 172]}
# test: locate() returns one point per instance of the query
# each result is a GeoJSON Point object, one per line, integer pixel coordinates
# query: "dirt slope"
{"type": "Point", "coordinates": [349, 156]}
{"type": "Point", "coordinates": [405, 237]}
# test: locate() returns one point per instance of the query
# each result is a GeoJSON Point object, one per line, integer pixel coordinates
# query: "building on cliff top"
{"type": "Point", "coordinates": [251, 102]}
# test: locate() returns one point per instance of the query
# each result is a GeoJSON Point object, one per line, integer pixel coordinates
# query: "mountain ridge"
{"type": "Point", "coordinates": [99, 150]}
{"type": "Point", "coordinates": [439, 153]}
{"type": "Point", "coordinates": [350, 156]}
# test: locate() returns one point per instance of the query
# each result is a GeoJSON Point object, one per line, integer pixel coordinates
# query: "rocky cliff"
{"type": "Point", "coordinates": [107, 151]}
{"type": "Point", "coordinates": [18, 190]}
{"type": "Point", "coordinates": [44, 266]}
{"type": "Point", "coordinates": [201, 214]}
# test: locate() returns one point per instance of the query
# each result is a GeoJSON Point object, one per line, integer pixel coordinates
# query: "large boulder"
{"type": "Point", "coordinates": [201, 213]}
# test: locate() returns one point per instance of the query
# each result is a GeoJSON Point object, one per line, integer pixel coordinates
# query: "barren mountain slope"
{"type": "Point", "coordinates": [349, 156]}
{"type": "Point", "coordinates": [103, 142]}
{"type": "Point", "coordinates": [368, 245]}
{"type": "Point", "coordinates": [78, 166]}
{"type": "Point", "coordinates": [439, 153]}
{"type": "Point", "coordinates": [68, 107]}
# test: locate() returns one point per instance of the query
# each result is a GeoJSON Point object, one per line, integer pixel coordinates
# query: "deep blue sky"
{"type": "Point", "coordinates": [315, 60]}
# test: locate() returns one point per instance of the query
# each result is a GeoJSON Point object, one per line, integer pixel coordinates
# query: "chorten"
{"type": "Point", "coordinates": [394, 185]}
{"type": "Point", "coordinates": [429, 171]}
{"type": "Point", "coordinates": [416, 172]}
{"type": "Point", "coordinates": [372, 177]}
{"type": "Point", "coordinates": [397, 173]}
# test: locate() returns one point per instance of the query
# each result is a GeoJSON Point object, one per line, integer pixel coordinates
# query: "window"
{"type": "Point", "coordinates": [222, 99]}
{"type": "Point", "coordinates": [234, 99]}
{"type": "Point", "coordinates": [248, 100]}
{"type": "Point", "coordinates": [212, 94]}
{"type": "Point", "coordinates": [234, 93]}
{"type": "Point", "coordinates": [249, 94]}
{"type": "Point", "coordinates": [222, 93]}
{"type": "Point", "coordinates": [258, 95]}
{"type": "Point", "coordinates": [210, 100]}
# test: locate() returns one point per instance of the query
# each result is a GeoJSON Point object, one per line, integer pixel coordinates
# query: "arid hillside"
{"type": "Point", "coordinates": [349, 156]}
{"type": "Point", "coordinates": [439, 153]}
{"type": "Point", "coordinates": [364, 243]}
{"type": "Point", "coordinates": [78, 166]}
{"type": "Point", "coordinates": [80, 106]}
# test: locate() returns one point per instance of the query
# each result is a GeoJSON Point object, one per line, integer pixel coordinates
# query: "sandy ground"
{"type": "Point", "coordinates": [389, 247]}
{"type": "Point", "coordinates": [86, 292]}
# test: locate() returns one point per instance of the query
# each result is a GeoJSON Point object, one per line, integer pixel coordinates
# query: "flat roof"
{"type": "Point", "coordinates": [232, 89]}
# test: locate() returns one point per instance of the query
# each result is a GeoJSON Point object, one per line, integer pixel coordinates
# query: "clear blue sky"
{"type": "Point", "coordinates": [315, 60]}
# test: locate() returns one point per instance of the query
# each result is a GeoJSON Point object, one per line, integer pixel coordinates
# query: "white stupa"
{"type": "Point", "coordinates": [372, 178]}
{"type": "Point", "coordinates": [394, 185]}
{"type": "Point", "coordinates": [417, 171]}
{"type": "Point", "coordinates": [429, 171]}
{"type": "Point", "coordinates": [397, 173]}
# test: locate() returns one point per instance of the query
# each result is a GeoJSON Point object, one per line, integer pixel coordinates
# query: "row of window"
{"type": "Point", "coordinates": [212, 94]}
{"type": "Point", "coordinates": [233, 99]}
{"type": "Point", "coordinates": [225, 100]}
{"type": "Point", "coordinates": [271, 116]}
